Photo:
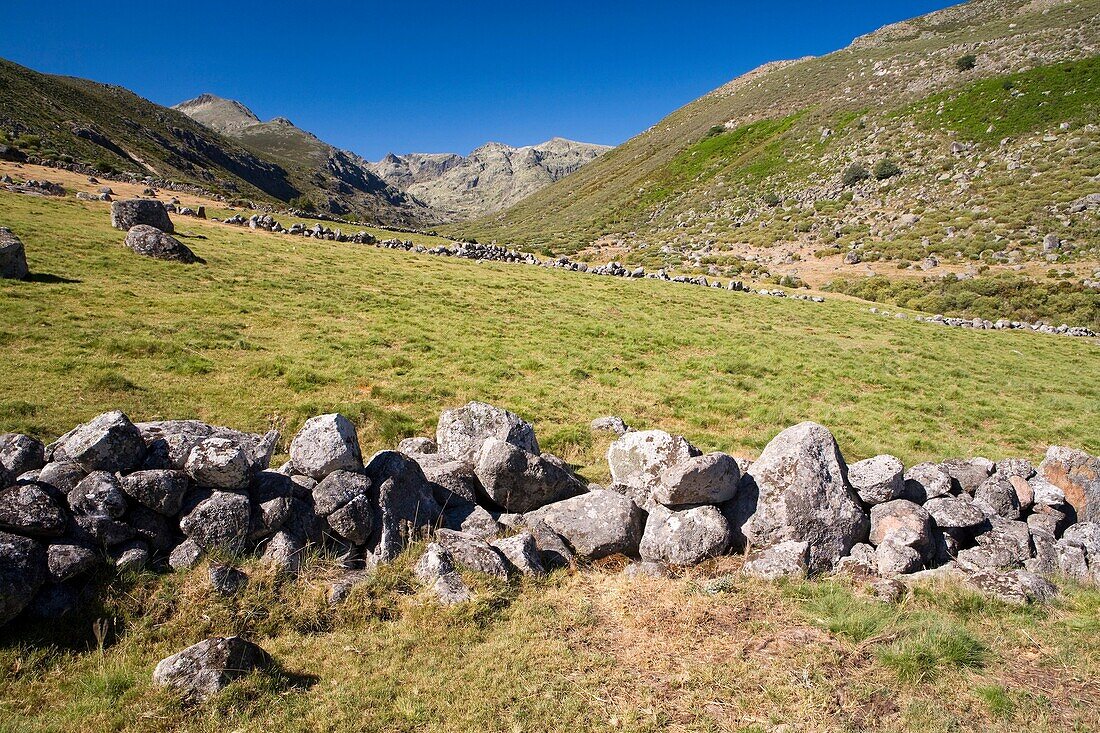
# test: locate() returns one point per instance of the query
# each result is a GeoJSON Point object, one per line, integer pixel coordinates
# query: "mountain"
{"type": "Point", "coordinates": [493, 177]}
{"type": "Point", "coordinates": [334, 180]}
{"type": "Point", "coordinates": [64, 118]}
{"type": "Point", "coordinates": [968, 135]}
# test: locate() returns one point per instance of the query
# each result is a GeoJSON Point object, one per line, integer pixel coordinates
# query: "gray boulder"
{"type": "Point", "coordinates": [131, 212]}
{"type": "Point", "coordinates": [1077, 474]}
{"type": "Point", "coordinates": [461, 432]}
{"type": "Point", "coordinates": [897, 555]}
{"type": "Point", "coordinates": [99, 493]}
{"type": "Point", "coordinates": [1018, 587]}
{"type": "Point", "coordinates": [436, 571]}
{"type": "Point", "coordinates": [708, 479]}
{"type": "Point", "coordinates": [1085, 535]}
{"type": "Point", "coordinates": [326, 443]}
{"type": "Point", "coordinates": [907, 523]}
{"type": "Point", "coordinates": [205, 669]}
{"type": "Point", "coordinates": [404, 503]}
{"type": "Point", "coordinates": [13, 257]}
{"type": "Point", "coordinates": [646, 569]}
{"type": "Point", "coordinates": [21, 453]}
{"type": "Point", "coordinates": [171, 442]}
{"type": "Point", "coordinates": [877, 480]}
{"type": "Point", "coordinates": [595, 525]}
{"type": "Point", "coordinates": [926, 481]}
{"type": "Point", "coordinates": [998, 496]}
{"type": "Point", "coordinates": [638, 459]}
{"type": "Point", "coordinates": [219, 463]}
{"type": "Point", "coordinates": [788, 559]}
{"type": "Point", "coordinates": [522, 553]}
{"type": "Point", "coordinates": [161, 490]}
{"type": "Point", "coordinates": [62, 475]}
{"type": "Point", "coordinates": [519, 481]}
{"type": "Point", "coordinates": [283, 552]}
{"type": "Point", "coordinates": [470, 552]}
{"type": "Point", "coordinates": [218, 521]}
{"type": "Point", "coordinates": [955, 514]}
{"type": "Point", "coordinates": [226, 579]}
{"type": "Point", "coordinates": [23, 570]}
{"type": "Point", "coordinates": [804, 496]}
{"type": "Point", "coordinates": [471, 519]}
{"type": "Point", "coordinates": [610, 424]}
{"type": "Point", "coordinates": [418, 446]}
{"type": "Point", "coordinates": [967, 474]}
{"type": "Point", "coordinates": [66, 560]}
{"type": "Point", "coordinates": [130, 556]}
{"type": "Point", "coordinates": [29, 509]}
{"type": "Point", "coordinates": [1006, 545]}
{"type": "Point", "coordinates": [109, 442]}
{"type": "Point", "coordinates": [152, 242]}
{"type": "Point", "coordinates": [685, 537]}
{"type": "Point", "coordinates": [185, 555]}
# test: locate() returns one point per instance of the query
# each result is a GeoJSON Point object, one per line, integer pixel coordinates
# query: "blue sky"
{"type": "Point", "coordinates": [375, 77]}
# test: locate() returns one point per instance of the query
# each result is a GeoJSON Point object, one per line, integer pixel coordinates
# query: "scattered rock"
{"type": "Point", "coordinates": [610, 424]}
{"type": "Point", "coordinates": [522, 553]}
{"type": "Point", "coordinates": [205, 669]}
{"type": "Point", "coordinates": [152, 242]}
{"type": "Point", "coordinates": [472, 553]}
{"type": "Point", "coordinates": [436, 571]}
{"type": "Point", "coordinates": [13, 256]}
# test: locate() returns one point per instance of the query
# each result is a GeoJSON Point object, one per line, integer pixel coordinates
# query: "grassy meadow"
{"type": "Point", "coordinates": [272, 329]}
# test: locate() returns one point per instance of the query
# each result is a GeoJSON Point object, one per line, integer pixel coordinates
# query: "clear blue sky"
{"type": "Point", "coordinates": [447, 76]}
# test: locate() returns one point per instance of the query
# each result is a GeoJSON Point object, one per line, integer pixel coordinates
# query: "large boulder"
{"type": "Point", "coordinates": [519, 481]}
{"type": "Point", "coordinates": [1077, 474]}
{"type": "Point", "coordinates": [171, 442]}
{"type": "Point", "coordinates": [67, 560]}
{"type": "Point", "coordinates": [638, 459]}
{"type": "Point", "coordinates": [13, 258]}
{"type": "Point", "coordinates": [326, 443]}
{"type": "Point", "coordinates": [23, 570]}
{"type": "Point", "coordinates": [462, 431]}
{"type": "Point", "coordinates": [596, 524]}
{"type": "Point", "coordinates": [685, 537]}
{"type": "Point", "coordinates": [219, 521]}
{"type": "Point", "coordinates": [708, 479]}
{"type": "Point", "coordinates": [131, 212]}
{"type": "Point", "coordinates": [161, 490]}
{"type": "Point", "coordinates": [220, 463]}
{"type": "Point", "coordinates": [62, 475]}
{"type": "Point", "coordinates": [877, 480]}
{"type": "Point", "coordinates": [30, 510]}
{"type": "Point", "coordinates": [21, 453]}
{"type": "Point", "coordinates": [152, 242]}
{"type": "Point", "coordinates": [404, 503]}
{"type": "Point", "coordinates": [109, 442]}
{"type": "Point", "coordinates": [201, 671]}
{"type": "Point", "coordinates": [522, 553]}
{"type": "Point", "coordinates": [1018, 587]}
{"type": "Point", "coordinates": [804, 496]}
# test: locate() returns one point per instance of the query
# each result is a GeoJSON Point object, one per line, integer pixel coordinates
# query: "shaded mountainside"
{"type": "Point", "coordinates": [968, 134]}
{"type": "Point", "coordinates": [332, 179]}
{"type": "Point", "coordinates": [64, 118]}
{"type": "Point", "coordinates": [492, 178]}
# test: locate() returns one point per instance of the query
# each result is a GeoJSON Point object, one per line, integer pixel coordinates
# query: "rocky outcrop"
{"type": "Point", "coordinates": [201, 671]}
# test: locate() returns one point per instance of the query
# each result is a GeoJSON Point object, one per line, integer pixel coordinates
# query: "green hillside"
{"type": "Point", "coordinates": [972, 165]}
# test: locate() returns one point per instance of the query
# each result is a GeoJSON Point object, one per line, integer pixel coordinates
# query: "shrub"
{"type": "Point", "coordinates": [715, 131]}
{"type": "Point", "coordinates": [771, 198]}
{"type": "Point", "coordinates": [103, 166]}
{"type": "Point", "coordinates": [967, 62]}
{"type": "Point", "coordinates": [303, 203]}
{"type": "Point", "coordinates": [886, 169]}
{"type": "Point", "coordinates": [854, 173]}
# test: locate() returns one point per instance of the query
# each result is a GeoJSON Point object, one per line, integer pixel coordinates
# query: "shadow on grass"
{"type": "Point", "coordinates": [48, 279]}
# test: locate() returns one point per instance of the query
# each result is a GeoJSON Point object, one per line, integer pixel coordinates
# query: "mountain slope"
{"type": "Point", "coordinates": [752, 176]}
{"type": "Point", "coordinates": [63, 117]}
{"type": "Point", "coordinates": [490, 179]}
{"type": "Point", "coordinates": [331, 179]}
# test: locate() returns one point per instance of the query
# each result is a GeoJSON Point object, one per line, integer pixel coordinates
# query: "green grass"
{"type": "Point", "coordinates": [274, 329]}
{"type": "Point", "coordinates": [1001, 106]}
